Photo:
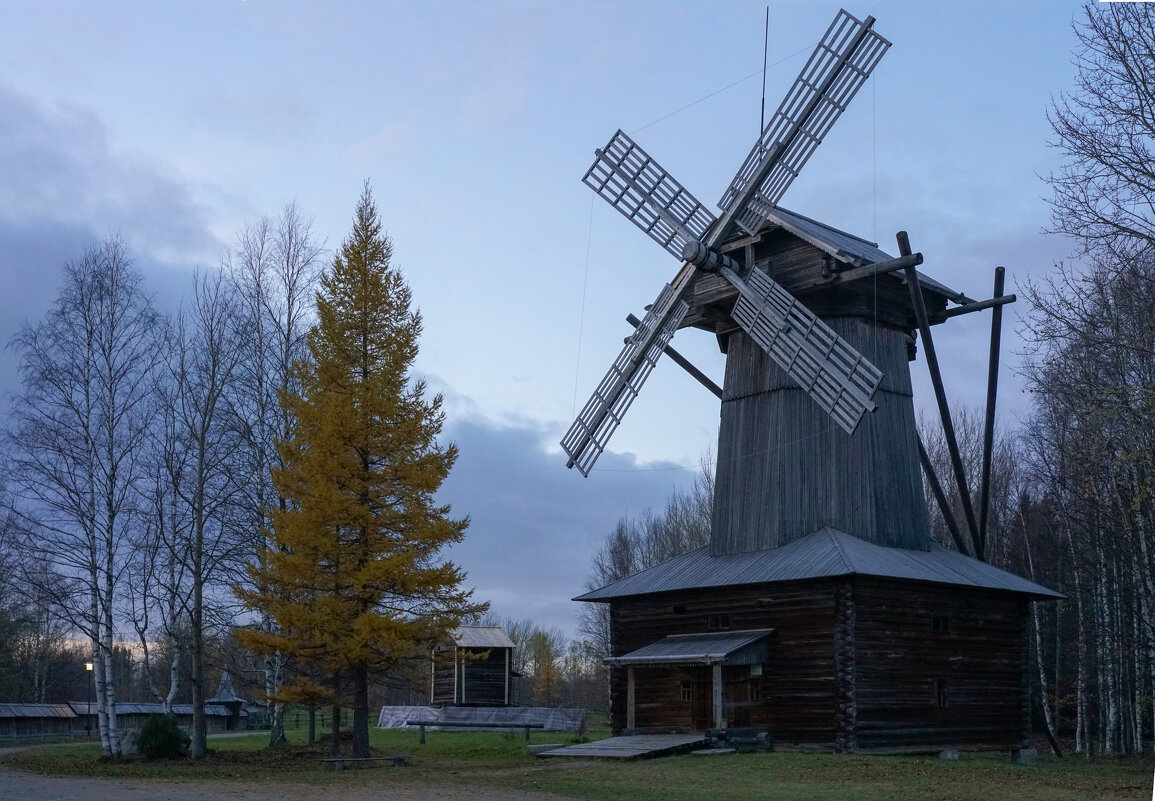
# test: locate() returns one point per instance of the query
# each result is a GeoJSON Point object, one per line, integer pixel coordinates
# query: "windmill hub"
{"type": "Point", "coordinates": [706, 259]}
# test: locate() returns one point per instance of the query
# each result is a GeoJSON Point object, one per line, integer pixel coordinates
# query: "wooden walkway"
{"type": "Point", "coordinates": [638, 746]}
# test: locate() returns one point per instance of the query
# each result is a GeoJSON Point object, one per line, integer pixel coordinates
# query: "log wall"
{"type": "Point", "coordinates": [797, 684]}
{"type": "Point", "coordinates": [854, 663]}
{"type": "Point", "coordinates": [900, 657]}
{"type": "Point", "coordinates": [480, 677]}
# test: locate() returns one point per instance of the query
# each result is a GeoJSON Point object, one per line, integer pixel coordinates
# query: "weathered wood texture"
{"type": "Point", "coordinates": [798, 675]}
{"type": "Point", "coordinates": [785, 469]}
{"type": "Point", "coordinates": [900, 656]}
{"type": "Point", "coordinates": [845, 669]}
{"type": "Point", "coordinates": [853, 664]}
{"type": "Point", "coordinates": [470, 677]}
{"type": "Point", "coordinates": [798, 266]}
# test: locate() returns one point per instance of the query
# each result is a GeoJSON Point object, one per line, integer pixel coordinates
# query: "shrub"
{"type": "Point", "coordinates": [161, 738]}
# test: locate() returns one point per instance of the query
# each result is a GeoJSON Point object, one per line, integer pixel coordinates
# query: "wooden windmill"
{"type": "Point", "coordinates": [820, 529]}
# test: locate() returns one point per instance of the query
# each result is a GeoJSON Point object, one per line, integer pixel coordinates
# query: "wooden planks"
{"type": "Point", "coordinates": [471, 677]}
{"type": "Point", "coordinates": [638, 746]}
{"type": "Point", "coordinates": [785, 470]}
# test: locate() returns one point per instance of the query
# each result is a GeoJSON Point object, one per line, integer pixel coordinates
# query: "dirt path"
{"type": "Point", "coordinates": [19, 786]}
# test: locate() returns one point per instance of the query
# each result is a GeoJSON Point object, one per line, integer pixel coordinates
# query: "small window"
{"type": "Point", "coordinates": [940, 624]}
{"type": "Point", "coordinates": [716, 622]}
{"type": "Point", "coordinates": [687, 691]}
{"type": "Point", "coordinates": [755, 689]}
{"type": "Point", "coordinates": [940, 699]}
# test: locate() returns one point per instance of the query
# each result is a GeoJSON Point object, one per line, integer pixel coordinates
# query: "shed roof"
{"type": "Point", "coordinates": [694, 648]}
{"type": "Point", "coordinates": [133, 708]}
{"type": "Point", "coordinates": [822, 554]}
{"type": "Point", "coordinates": [849, 249]}
{"type": "Point", "coordinates": [36, 711]}
{"type": "Point", "coordinates": [481, 637]}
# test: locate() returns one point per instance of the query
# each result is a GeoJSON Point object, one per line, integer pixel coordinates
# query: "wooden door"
{"type": "Point", "coordinates": [702, 710]}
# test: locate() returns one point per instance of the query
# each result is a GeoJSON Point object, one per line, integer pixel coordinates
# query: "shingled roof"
{"type": "Point", "coordinates": [823, 554]}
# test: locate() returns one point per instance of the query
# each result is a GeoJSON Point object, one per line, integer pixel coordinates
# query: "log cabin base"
{"type": "Point", "coordinates": [848, 661]}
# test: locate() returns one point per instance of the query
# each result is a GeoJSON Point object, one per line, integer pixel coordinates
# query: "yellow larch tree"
{"type": "Point", "coordinates": [354, 578]}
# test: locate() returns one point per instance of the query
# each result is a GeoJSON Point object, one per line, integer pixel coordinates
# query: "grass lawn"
{"type": "Point", "coordinates": [498, 760]}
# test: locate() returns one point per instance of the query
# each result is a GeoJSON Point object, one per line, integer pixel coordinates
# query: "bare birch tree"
{"type": "Point", "coordinates": [205, 475]}
{"type": "Point", "coordinates": [274, 267]}
{"type": "Point", "coordinates": [1104, 194]}
{"type": "Point", "coordinates": [81, 417]}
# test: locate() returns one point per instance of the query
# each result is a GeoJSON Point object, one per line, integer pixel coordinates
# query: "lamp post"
{"type": "Point", "coordinates": [88, 717]}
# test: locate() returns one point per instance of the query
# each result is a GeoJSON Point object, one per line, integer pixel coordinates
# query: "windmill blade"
{"type": "Point", "coordinates": [836, 70]}
{"type": "Point", "coordinates": [839, 378]}
{"type": "Point", "coordinates": [637, 186]}
{"type": "Point", "coordinates": [591, 431]}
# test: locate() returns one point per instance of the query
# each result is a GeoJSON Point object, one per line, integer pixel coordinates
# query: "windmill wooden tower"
{"type": "Point", "coordinates": [821, 612]}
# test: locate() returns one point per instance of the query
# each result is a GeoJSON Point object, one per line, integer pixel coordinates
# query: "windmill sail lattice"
{"type": "Point", "coordinates": [648, 196]}
{"type": "Point", "coordinates": [806, 348]}
{"type": "Point", "coordinates": [587, 437]}
{"type": "Point", "coordinates": [839, 66]}
{"type": "Point", "coordinates": [834, 374]}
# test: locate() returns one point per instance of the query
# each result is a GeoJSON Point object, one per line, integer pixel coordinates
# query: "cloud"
{"type": "Point", "coordinates": [60, 170]}
{"type": "Point", "coordinates": [534, 524]}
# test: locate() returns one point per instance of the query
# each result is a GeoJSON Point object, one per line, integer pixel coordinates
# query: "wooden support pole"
{"type": "Point", "coordinates": [989, 422]}
{"type": "Point", "coordinates": [631, 708]}
{"type": "Point", "coordinates": [978, 305]}
{"type": "Point", "coordinates": [940, 497]}
{"type": "Point", "coordinates": [717, 689]}
{"type": "Point", "coordinates": [860, 273]}
{"type": "Point", "coordinates": [939, 392]}
{"type": "Point", "coordinates": [684, 363]}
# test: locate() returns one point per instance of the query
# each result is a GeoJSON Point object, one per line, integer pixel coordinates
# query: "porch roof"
{"type": "Point", "coordinates": [728, 647]}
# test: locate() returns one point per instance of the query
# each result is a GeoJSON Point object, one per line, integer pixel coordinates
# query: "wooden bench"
{"type": "Point", "coordinates": [452, 724]}
{"type": "Point", "coordinates": [339, 763]}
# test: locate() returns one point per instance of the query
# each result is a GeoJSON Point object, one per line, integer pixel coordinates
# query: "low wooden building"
{"type": "Point", "coordinates": [39, 720]}
{"type": "Point", "coordinates": [473, 669]}
{"type": "Point", "coordinates": [828, 642]}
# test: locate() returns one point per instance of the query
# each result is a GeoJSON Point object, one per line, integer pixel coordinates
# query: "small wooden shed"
{"type": "Point", "coordinates": [473, 669]}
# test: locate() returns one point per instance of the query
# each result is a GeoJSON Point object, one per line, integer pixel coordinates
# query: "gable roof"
{"type": "Point", "coordinates": [481, 637]}
{"type": "Point", "coordinates": [822, 554]}
{"type": "Point", "coordinates": [849, 249]}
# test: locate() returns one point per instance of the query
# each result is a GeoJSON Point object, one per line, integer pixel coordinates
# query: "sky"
{"type": "Point", "coordinates": [173, 124]}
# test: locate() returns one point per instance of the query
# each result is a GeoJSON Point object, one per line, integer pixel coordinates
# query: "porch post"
{"type": "Point", "coordinates": [631, 723]}
{"type": "Point", "coordinates": [719, 708]}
